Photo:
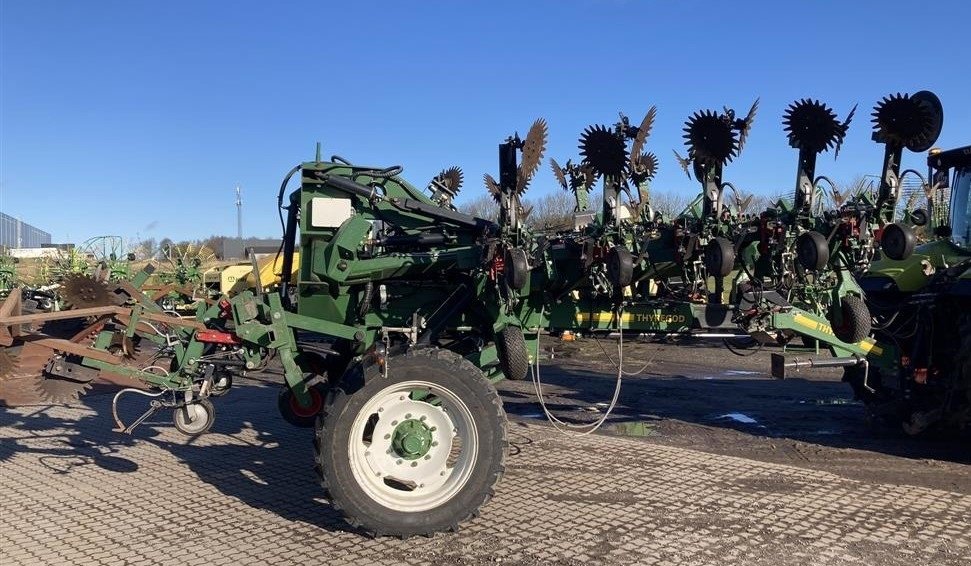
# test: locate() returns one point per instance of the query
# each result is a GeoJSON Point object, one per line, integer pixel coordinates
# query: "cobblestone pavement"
{"type": "Point", "coordinates": [73, 492]}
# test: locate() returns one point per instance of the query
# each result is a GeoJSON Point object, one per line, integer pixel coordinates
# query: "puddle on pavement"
{"type": "Point", "coordinates": [833, 401]}
{"type": "Point", "coordinates": [530, 415]}
{"type": "Point", "coordinates": [738, 417]}
{"type": "Point", "coordinates": [635, 428]}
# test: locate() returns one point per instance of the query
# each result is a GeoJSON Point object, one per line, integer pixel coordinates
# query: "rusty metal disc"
{"type": "Point", "coordinates": [534, 147]}
{"type": "Point", "coordinates": [493, 186]}
{"type": "Point", "coordinates": [83, 291]}
{"type": "Point", "coordinates": [447, 183]}
{"type": "Point", "coordinates": [559, 173]}
{"type": "Point", "coordinates": [746, 125]}
{"type": "Point", "coordinates": [643, 131]}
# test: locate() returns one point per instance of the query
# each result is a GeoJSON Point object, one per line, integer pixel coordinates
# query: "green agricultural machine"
{"type": "Point", "coordinates": [922, 305]}
{"type": "Point", "coordinates": [915, 368]}
{"type": "Point", "coordinates": [390, 338]}
{"type": "Point", "coordinates": [395, 313]}
{"type": "Point", "coordinates": [627, 266]}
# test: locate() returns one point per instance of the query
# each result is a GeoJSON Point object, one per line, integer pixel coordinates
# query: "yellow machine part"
{"type": "Point", "coordinates": [236, 278]}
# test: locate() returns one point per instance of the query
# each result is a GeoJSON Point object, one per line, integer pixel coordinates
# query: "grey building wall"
{"type": "Point", "coordinates": [17, 234]}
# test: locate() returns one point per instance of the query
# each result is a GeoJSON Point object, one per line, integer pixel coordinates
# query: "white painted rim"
{"type": "Point", "coordinates": [425, 483]}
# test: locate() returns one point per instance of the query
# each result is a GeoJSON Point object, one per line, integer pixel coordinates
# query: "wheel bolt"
{"type": "Point", "coordinates": [387, 436]}
{"type": "Point", "coordinates": [413, 464]}
{"type": "Point", "coordinates": [408, 416]}
{"type": "Point", "coordinates": [399, 462]}
{"type": "Point", "coordinates": [435, 443]}
{"type": "Point", "coordinates": [423, 417]}
{"type": "Point", "coordinates": [428, 457]}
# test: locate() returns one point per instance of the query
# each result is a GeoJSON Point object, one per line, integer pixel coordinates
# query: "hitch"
{"type": "Point", "coordinates": [780, 365]}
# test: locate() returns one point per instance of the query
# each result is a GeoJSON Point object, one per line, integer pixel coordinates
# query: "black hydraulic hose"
{"type": "Point", "coordinates": [289, 235]}
{"type": "Point", "coordinates": [279, 196]}
{"type": "Point", "coordinates": [289, 246]}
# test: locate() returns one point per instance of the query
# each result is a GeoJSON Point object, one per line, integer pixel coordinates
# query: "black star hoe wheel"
{"type": "Point", "coordinates": [413, 452]}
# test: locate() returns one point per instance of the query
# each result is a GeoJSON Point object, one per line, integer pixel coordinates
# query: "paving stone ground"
{"type": "Point", "coordinates": [74, 492]}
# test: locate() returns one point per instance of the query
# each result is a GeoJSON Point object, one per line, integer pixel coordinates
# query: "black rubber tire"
{"type": "Point", "coordinates": [856, 320]}
{"type": "Point", "coordinates": [333, 462]}
{"type": "Point", "coordinates": [513, 355]}
{"type": "Point", "coordinates": [719, 257]}
{"type": "Point", "coordinates": [296, 415]}
{"type": "Point", "coordinates": [620, 267]}
{"type": "Point", "coordinates": [919, 217]}
{"type": "Point", "coordinates": [517, 268]}
{"type": "Point", "coordinates": [897, 241]}
{"type": "Point", "coordinates": [178, 419]}
{"type": "Point", "coordinates": [812, 251]}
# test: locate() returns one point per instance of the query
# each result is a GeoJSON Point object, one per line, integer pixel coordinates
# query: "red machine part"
{"type": "Point", "coordinates": [218, 337]}
{"type": "Point", "coordinates": [497, 267]}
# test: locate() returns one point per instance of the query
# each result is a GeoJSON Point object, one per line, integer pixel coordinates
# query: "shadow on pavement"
{"type": "Point", "coordinates": [250, 454]}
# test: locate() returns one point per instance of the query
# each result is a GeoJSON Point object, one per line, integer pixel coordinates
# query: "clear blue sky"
{"type": "Point", "coordinates": [107, 106]}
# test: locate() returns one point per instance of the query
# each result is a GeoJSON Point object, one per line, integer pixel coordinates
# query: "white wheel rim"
{"type": "Point", "coordinates": [430, 480]}
{"type": "Point", "coordinates": [193, 417]}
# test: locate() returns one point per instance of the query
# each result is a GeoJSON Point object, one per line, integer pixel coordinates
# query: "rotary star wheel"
{"type": "Point", "coordinates": [84, 291]}
{"type": "Point", "coordinates": [813, 126]}
{"type": "Point", "coordinates": [604, 151]}
{"type": "Point", "coordinates": [492, 186]}
{"type": "Point", "coordinates": [560, 174]}
{"type": "Point", "coordinates": [61, 389]}
{"type": "Point", "coordinates": [643, 168]}
{"type": "Point", "coordinates": [908, 120]}
{"type": "Point", "coordinates": [533, 149]}
{"type": "Point", "coordinates": [641, 133]}
{"type": "Point", "coordinates": [710, 138]}
{"type": "Point", "coordinates": [745, 126]}
{"type": "Point", "coordinates": [446, 185]}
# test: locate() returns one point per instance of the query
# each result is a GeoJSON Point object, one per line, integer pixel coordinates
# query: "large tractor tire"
{"type": "Point", "coordinates": [513, 355]}
{"type": "Point", "coordinates": [414, 453]}
{"type": "Point", "coordinates": [850, 319]}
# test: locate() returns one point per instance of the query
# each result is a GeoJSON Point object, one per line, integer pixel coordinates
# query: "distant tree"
{"type": "Point", "coordinates": [551, 211]}
{"type": "Point", "coordinates": [146, 249]}
{"type": "Point", "coordinates": [216, 243]}
{"type": "Point", "coordinates": [483, 206]}
{"type": "Point", "coordinates": [668, 203]}
{"type": "Point", "coordinates": [164, 248]}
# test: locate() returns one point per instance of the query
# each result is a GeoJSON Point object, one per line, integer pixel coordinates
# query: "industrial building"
{"type": "Point", "coordinates": [17, 234]}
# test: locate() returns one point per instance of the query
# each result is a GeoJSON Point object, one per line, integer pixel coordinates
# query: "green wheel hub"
{"type": "Point", "coordinates": [411, 439]}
